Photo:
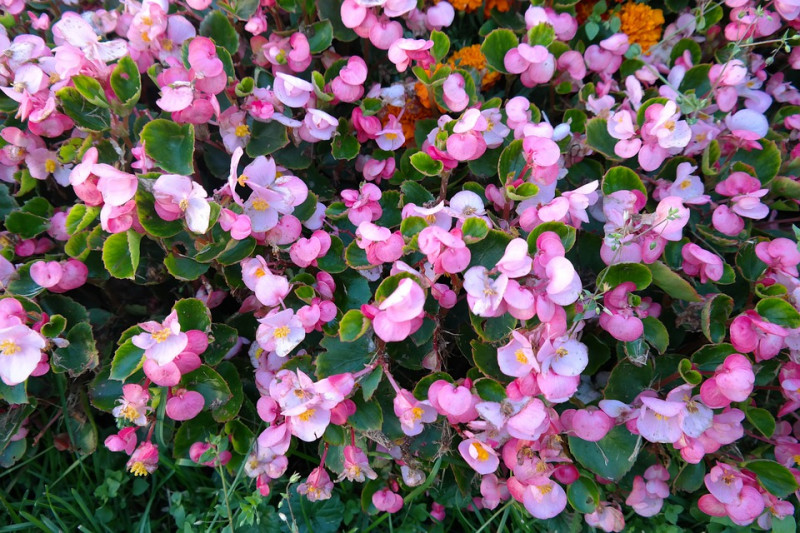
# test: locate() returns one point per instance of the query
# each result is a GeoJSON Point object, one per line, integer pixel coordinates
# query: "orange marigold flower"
{"type": "Point", "coordinates": [466, 5]}
{"type": "Point", "coordinates": [501, 6]}
{"type": "Point", "coordinates": [642, 24]}
{"type": "Point", "coordinates": [472, 57]}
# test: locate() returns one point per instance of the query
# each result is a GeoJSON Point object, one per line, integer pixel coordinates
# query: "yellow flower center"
{"type": "Point", "coordinates": [480, 452]}
{"type": "Point", "coordinates": [129, 413]}
{"type": "Point", "coordinates": [306, 416]}
{"type": "Point", "coordinates": [167, 45]}
{"type": "Point", "coordinates": [796, 459]}
{"type": "Point", "coordinates": [259, 273]}
{"type": "Point", "coordinates": [430, 219]}
{"type": "Point", "coordinates": [242, 130]}
{"type": "Point", "coordinates": [146, 20]}
{"type": "Point", "coordinates": [561, 352]}
{"type": "Point", "coordinates": [281, 332]}
{"type": "Point", "coordinates": [700, 137]}
{"type": "Point", "coordinates": [138, 469]}
{"type": "Point", "coordinates": [545, 489]}
{"type": "Point", "coordinates": [145, 37]}
{"type": "Point", "coordinates": [243, 179]}
{"type": "Point", "coordinates": [417, 412]}
{"type": "Point", "coordinates": [659, 416]}
{"type": "Point", "coordinates": [521, 357]}
{"type": "Point", "coordinates": [670, 125]}
{"type": "Point", "coordinates": [641, 23]}
{"type": "Point", "coordinates": [161, 335]}
{"type": "Point", "coordinates": [260, 204]}
{"type": "Point", "coordinates": [184, 204]}
{"type": "Point", "coordinates": [541, 467]}
{"type": "Point", "coordinates": [391, 136]}
{"type": "Point", "coordinates": [728, 478]}
{"type": "Point", "coordinates": [685, 184]}
{"type": "Point", "coordinates": [9, 347]}
{"type": "Point", "coordinates": [50, 165]}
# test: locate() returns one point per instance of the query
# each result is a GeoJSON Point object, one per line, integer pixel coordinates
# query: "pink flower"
{"type": "Point", "coordinates": [750, 333]}
{"type": "Point", "coordinates": [162, 342]}
{"type": "Point", "coordinates": [446, 251]}
{"type": "Point", "coordinates": [178, 196]}
{"type": "Point", "coordinates": [400, 314]}
{"type": "Point", "coordinates": [484, 294]}
{"type": "Point", "coordinates": [606, 517]}
{"type": "Point", "coordinates": [280, 332]}
{"type": "Point", "coordinates": [732, 382]}
{"type": "Point", "coordinates": [317, 126]}
{"type": "Point", "coordinates": [184, 404]}
{"type": "Point", "coordinates": [647, 497]}
{"type": "Point", "coordinates": [381, 245]}
{"type": "Point", "coordinates": [144, 459]}
{"type": "Point", "coordinates": [125, 441]}
{"type": "Point", "coordinates": [660, 420]}
{"type": "Point", "coordinates": [515, 262]}
{"type": "Point", "coordinates": [363, 204]}
{"type": "Point", "coordinates": [391, 137]}
{"type": "Point", "coordinates": [698, 261]}
{"type": "Point", "coordinates": [455, 97]}
{"type": "Point", "coordinates": [403, 51]}
{"type": "Point", "coordinates": [748, 125]}
{"type": "Point", "coordinates": [356, 465]}
{"type": "Point", "coordinates": [517, 358]}
{"type": "Point", "coordinates": [318, 485]}
{"type": "Point", "coordinates": [198, 449]}
{"type": "Point", "coordinates": [670, 218]}
{"type": "Point", "coordinates": [386, 500]}
{"type": "Point", "coordinates": [590, 424]}
{"type": "Point", "coordinates": [780, 255]}
{"type": "Point", "coordinates": [305, 252]}
{"type": "Point", "coordinates": [292, 91]}
{"type": "Point", "coordinates": [269, 288]}
{"type": "Point", "coordinates": [535, 64]}
{"type": "Point", "coordinates": [479, 455]}
{"type": "Point", "coordinates": [412, 413]}
{"type": "Point", "coordinates": [544, 498]}
{"type": "Point", "coordinates": [348, 85]}
{"type": "Point", "coordinates": [133, 404]}
{"type": "Point", "coordinates": [20, 352]}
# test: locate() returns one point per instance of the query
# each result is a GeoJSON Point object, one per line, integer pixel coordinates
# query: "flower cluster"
{"type": "Point", "coordinates": [544, 247]}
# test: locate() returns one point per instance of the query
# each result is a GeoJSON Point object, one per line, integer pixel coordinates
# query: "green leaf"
{"type": "Point", "coordinates": [613, 275]}
{"type": "Point", "coordinates": [779, 312]}
{"type": "Point", "coordinates": [687, 372]}
{"type": "Point", "coordinates": [765, 162]}
{"type": "Point", "coordinates": [785, 525]}
{"type": "Point", "coordinates": [488, 251]}
{"type": "Point", "coordinates": [748, 262]}
{"type": "Point", "coordinates": [368, 415]}
{"type": "Point", "coordinates": [353, 325]}
{"type": "Point", "coordinates": [710, 159]}
{"type": "Point", "coordinates": [54, 327]}
{"type": "Point", "coordinates": [411, 226]}
{"type": "Point", "coordinates": [87, 116]}
{"type": "Point", "coordinates": [198, 429]}
{"type": "Point", "coordinates": [267, 138]}
{"type": "Point", "coordinates": [370, 383]}
{"type": "Point", "coordinates": [490, 390]}
{"type": "Point", "coordinates": [710, 356]}
{"type": "Point", "coordinates": [170, 145]}
{"type": "Point", "coordinates": [426, 165]}
{"type": "Point", "coordinates": [761, 419]}
{"type": "Point", "coordinates": [210, 384]}
{"type": "Point", "coordinates": [485, 357]}
{"type": "Point", "coordinates": [622, 179]}
{"type": "Point", "coordinates": [542, 34]}
{"type": "Point", "coordinates": [627, 380]}
{"type": "Point", "coordinates": [333, 262]}
{"type": "Point", "coordinates": [416, 194]}
{"type": "Point", "coordinates": [221, 340]}
{"type": "Point", "coordinates": [674, 285]}
{"type": "Point", "coordinates": [690, 478]}
{"type": "Point", "coordinates": [345, 146]}
{"type": "Point", "coordinates": [127, 360]}
{"type": "Point", "coordinates": [441, 45]}
{"type": "Point", "coordinates": [81, 354]}
{"type": "Point", "coordinates": [193, 314]}
{"type": "Point", "coordinates": [495, 47]}
{"type": "Point", "coordinates": [474, 229]}
{"type": "Point", "coordinates": [696, 78]}
{"type": "Point", "coordinates": [7, 203]}
{"type": "Point", "coordinates": [80, 216]}
{"type": "Point", "coordinates": [583, 495]}
{"type": "Point", "coordinates": [121, 254]}
{"type": "Point", "coordinates": [655, 333]}
{"type": "Point", "coordinates": [511, 163]}
{"type": "Point", "coordinates": [774, 477]}
{"type": "Point", "coordinates": [598, 139]}
{"type": "Point", "coordinates": [340, 357]}
{"type": "Point", "coordinates": [26, 225]}
{"type": "Point", "coordinates": [714, 317]}
{"type": "Point", "coordinates": [91, 90]}
{"type": "Point", "coordinates": [683, 45]}
{"type": "Point", "coordinates": [184, 268]}
{"type": "Point", "coordinates": [321, 36]}
{"type": "Point", "coordinates": [217, 26]}
{"type": "Point", "coordinates": [611, 457]}
{"type": "Point", "coordinates": [523, 192]}
{"type": "Point", "coordinates": [231, 408]}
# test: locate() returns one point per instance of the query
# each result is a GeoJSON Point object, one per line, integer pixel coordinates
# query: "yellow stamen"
{"type": "Point", "coordinates": [482, 454]}
{"type": "Point", "coordinates": [521, 357]}
{"type": "Point", "coordinates": [145, 37]}
{"type": "Point", "coordinates": [561, 352]}
{"type": "Point", "coordinates": [50, 166]}
{"type": "Point", "coordinates": [659, 416]}
{"type": "Point", "coordinates": [391, 136]}
{"type": "Point", "coordinates": [161, 335]}
{"type": "Point", "coordinates": [129, 413]}
{"type": "Point", "coordinates": [242, 130]}
{"type": "Point", "coordinates": [545, 489]}
{"type": "Point", "coordinates": [184, 204]}
{"type": "Point", "coordinates": [167, 45]}
{"type": "Point", "coordinates": [242, 179]}
{"type": "Point", "coordinates": [281, 332]}
{"type": "Point", "coordinates": [417, 412]}
{"type": "Point", "coordinates": [9, 347]}
{"type": "Point", "coordinates": [138, 469]}
{"type": "Point", "coordinates": [306, 416]}
{"type": "Point", "coordinates": [260, 204]}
